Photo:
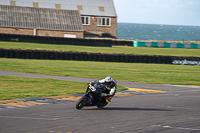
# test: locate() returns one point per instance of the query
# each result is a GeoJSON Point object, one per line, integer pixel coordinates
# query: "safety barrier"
{"type": "Point", "coordinates": [64, 41]}
{"type": "Point", "coordinates": [166, 45]}
{"type": "Point", "coordinates": [83, 56]}
{"type": "Point", "coordinates": [55, 40]}
{"type": "Point", "coordinates": [92, 42]}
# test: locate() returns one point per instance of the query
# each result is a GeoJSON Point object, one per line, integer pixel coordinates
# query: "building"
{"type": "Point", "coordinates": [98, 16]}
{"type": "Point", "coordinates": [40, 22]}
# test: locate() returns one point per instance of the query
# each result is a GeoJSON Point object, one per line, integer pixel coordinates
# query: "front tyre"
{"type": "Point", "coordinates": [81, 102]}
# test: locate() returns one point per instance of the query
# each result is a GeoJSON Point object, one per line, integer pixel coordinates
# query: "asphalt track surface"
{"type": "Point", "coordinates": [176, 111]}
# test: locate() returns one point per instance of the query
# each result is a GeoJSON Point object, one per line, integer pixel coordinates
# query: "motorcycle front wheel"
{"type": "Point", "coordinates": [81, 102]}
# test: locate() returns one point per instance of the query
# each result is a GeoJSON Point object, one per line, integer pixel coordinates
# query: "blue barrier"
{"type": "Point", "coordinates": [166, 45]}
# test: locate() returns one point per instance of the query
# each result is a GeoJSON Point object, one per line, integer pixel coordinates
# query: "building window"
{"type": "Point", "coordinates": [85, 20]}
{"type": "Point", "coordinates": [13, 3]}
{"type": "Point", "coordinates": [103, 22]}
{"type": "Point", "coordinates": [58, 6]}
{"type": "Point", "coordinates": [35, 4]}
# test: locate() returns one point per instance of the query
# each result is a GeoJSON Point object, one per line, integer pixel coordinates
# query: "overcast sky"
{"type": "Point", "coordinates": [172, 12]}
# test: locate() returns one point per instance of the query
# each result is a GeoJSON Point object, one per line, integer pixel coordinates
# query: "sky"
{"type": "Point", "coordinates": [170, 12]}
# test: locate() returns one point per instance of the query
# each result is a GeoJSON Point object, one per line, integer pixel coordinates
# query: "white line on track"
{"type": "Point", "coordinates": [33, 118]}
{"type": "Point", "coordinates": [180, 128]}
{"type": "Point", "coordinates": [187, 86]}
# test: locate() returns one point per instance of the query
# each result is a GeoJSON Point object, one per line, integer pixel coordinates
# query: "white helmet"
{"type": "Point", "coordinates": [108, 79]}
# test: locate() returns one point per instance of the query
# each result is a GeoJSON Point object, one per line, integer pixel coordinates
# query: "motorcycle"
{"type": "Point", "coordinates": [93, 97]}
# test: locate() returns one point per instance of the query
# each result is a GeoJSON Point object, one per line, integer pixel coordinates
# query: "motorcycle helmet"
{"type": "Point", "coordinates": [108, 80]}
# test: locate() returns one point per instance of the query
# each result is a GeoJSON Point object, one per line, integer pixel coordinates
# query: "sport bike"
{"type": "Point", "coordinates": [94, 96]}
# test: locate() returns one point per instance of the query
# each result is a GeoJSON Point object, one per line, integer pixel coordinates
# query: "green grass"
{"type": "Point", "coordinates": [137, 72]}
{"type": "Point", "coordinates": [114, 49]}
{"type": "Point", "coordinates": [21, 87]}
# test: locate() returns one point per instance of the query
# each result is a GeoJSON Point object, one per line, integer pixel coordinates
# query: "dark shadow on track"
{"type": "Point", "coordinates": [127, 109]}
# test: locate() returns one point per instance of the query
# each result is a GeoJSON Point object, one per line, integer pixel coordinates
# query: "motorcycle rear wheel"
{"type": "Point", "coordinates": [102, 105]}
{"type": "Point", "coordinates": [81, 102]}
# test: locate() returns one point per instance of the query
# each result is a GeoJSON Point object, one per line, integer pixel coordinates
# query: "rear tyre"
{"type": "Point", "coordinates": [81, 102]}
{"type": "Point", "coordinates": [102, 105]}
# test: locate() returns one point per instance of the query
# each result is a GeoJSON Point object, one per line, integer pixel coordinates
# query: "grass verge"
{"type": "Point", "coordinates": [135, 72]}
{"type": "Point", "coordinates": [114, 49]}
{"type": "Point", "coordinates": [21, 87]}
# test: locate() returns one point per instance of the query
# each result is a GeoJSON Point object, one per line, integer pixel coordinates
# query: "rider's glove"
{"type": "Point", "coordinates": [103, 94]}
{"type": "Point", "coordinates": [108, 88]}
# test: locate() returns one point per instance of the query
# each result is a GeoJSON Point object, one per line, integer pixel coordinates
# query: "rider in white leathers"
{"type": "Point", "coordinates": [110, 87]}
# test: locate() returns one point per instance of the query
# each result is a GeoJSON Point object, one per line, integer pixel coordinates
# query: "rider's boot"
{"type": "Point", "coordinates": [108, 98]}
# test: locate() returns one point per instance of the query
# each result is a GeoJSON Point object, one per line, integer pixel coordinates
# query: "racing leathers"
{"type": "Point", "coordinates": [110, 89]}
